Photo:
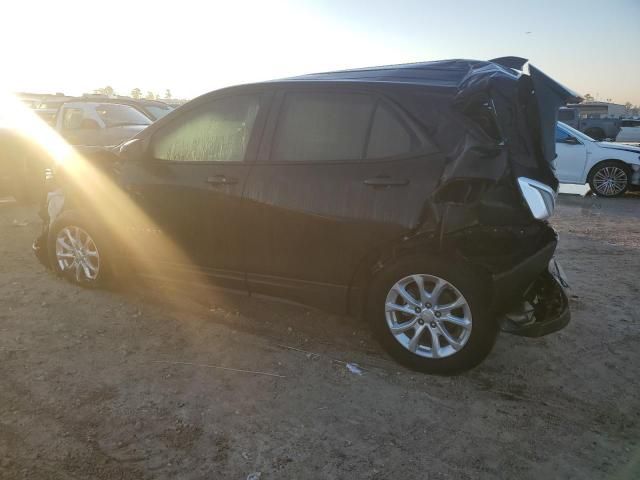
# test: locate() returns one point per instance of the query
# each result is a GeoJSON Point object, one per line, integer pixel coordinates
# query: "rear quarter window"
{"type": "Point", "coordinates": [389, 137]}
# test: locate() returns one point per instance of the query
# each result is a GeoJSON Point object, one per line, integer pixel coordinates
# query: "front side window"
{"type": "Point", "coordinates": [217, 131]}
{"type": "Point", "coordinates": [72, 118]}
{"type": "Point", "coordinates": [322, 127]}
{"type": "Point", "coordinates": [561, 135]}
{"type": "Point", "coordinates": [117, 115]}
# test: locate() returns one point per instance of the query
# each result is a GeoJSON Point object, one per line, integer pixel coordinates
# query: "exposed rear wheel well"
{"type": "Point", "coordinates": [371, 268]}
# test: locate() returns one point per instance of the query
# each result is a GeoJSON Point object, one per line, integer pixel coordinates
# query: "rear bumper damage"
{"type": "Point", "coordinates": [544, 306]}
{"type": "Point", "coordinates": [544, 310]}
{"type": "Point", "coordinates": [527, 285]}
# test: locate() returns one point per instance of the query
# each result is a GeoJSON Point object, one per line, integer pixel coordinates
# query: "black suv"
{"type": "Point", "coordinates": [413, 195]}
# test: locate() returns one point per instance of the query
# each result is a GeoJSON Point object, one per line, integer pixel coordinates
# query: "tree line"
{"type": "Point", "coordinates": [135, 93]}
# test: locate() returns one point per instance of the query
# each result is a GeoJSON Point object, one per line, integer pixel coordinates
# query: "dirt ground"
{"type": "Point", "coordinates": [118, 385]}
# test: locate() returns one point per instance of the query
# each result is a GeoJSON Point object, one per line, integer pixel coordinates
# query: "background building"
{"type": "Point", "coordinates": [600, 109]}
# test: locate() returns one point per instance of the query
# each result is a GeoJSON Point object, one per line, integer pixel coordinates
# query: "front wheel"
{"type": "Point", "coordinates": [609, 179]}
{"type": "Point", "coordinates": [431, 317]}
{"type": "Point", "coordinates": [76, 254]}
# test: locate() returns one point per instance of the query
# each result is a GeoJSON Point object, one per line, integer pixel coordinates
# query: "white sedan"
{"type": "Point", "coordinates": [610, 169]}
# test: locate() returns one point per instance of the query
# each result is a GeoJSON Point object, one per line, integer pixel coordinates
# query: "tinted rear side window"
{"type": "Point", "coordinates": [322, 127]}
{"type": "Point", "coordinates": [389, 137]}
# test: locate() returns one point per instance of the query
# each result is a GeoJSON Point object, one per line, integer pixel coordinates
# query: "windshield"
{"type": "Point", "coordinates": [115, 114]}
{"type": "Point", "coordinates": [158, 111]}
{"type": "Point", "coordinates": [576, 133]}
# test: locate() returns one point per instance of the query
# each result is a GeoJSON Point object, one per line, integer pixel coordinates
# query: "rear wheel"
{"type": "Point", "coordinates": [609, 179]}
{"type": "Point", "coordinates": [431, 317]}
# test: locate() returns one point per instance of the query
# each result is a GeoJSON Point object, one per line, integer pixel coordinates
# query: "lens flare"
{"type": "Point", "coordinates": [87, 181]}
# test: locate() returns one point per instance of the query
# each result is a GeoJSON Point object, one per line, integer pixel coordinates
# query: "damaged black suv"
{"type": "Point", "coordinates": [416, 196]}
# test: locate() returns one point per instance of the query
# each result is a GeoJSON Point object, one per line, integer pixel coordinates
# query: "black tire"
{"type": "Point", "coordinates": [470, 284]}
{"type": "Point", "coordinates": [613, 166]}
{"type": "Point", "coordinates": [74, 222]}
{"type": "Point", "coordinates": [596, 133]}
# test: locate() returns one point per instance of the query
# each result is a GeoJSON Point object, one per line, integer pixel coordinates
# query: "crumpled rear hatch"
{"type": "Point", "coordinates": [518, 110]}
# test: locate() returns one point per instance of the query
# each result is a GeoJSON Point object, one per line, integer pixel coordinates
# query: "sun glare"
{"type": "Point", "coordinates": [91, 185]}
{"type": "Point", "coordinates": [14, 115]}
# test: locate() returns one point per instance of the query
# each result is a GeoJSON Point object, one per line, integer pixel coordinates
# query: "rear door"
{"type": "Point", "coordinates": [191, 186]}
{"type": "Point", "coordinates": [341, 173]}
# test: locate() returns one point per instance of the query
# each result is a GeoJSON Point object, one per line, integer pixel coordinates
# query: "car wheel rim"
{"type": "Point", "coordinates": [610, 180]}
{"type": "Point", "coordinates": [428, 316]}
{"type": "Point", "coordinates": [77, 254]}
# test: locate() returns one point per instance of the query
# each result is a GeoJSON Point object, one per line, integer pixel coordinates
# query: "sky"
{"type": "Point", "coordinates": [193, 47]}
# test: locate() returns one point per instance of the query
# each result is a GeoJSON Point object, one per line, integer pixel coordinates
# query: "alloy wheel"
{"type": "Point", "coordinates": [77, 254]}
{"type": "Point", "coordinates": [610, 181]}
{"type": "Point", "coordinates": [428, 316]}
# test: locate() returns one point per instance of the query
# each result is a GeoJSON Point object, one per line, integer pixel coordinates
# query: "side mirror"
{"type": "Point", "coordinates": [132, 150]}
{"type": "Point", "coordinates": [571, 141]}
{"type": "Point", "coordinates": [89, 124]}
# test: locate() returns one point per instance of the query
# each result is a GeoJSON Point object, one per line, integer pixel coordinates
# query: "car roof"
{"type": "Point", "coordinates": [95, 103]}
{"type": "Point", "coordinates": [121, 100]}
{"type": "Point", "coordinates": [441, 73]}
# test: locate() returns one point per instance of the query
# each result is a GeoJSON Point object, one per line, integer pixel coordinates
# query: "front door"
{"type": "Point", "coordinates": [343, 173]}
{"type": "Point", "coordinates": [571, 157]}
{"type": "Point", "coordinates": [190, 186]}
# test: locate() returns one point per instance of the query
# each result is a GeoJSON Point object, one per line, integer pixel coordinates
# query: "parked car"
{"type": "Point", "coordinates": [629, 131]}
{"type": "Point", "coordinates": [597, 128]}
{"type": "Point", "coordinates": [609, 168]}
{"type": "Point", "coordinates": [414, 195]}
{"type": "Point", "coordinates": [154, 109]}
{"type": "Point", "coordinates": [80, 123]}
{"type": "Point", "coordinates": [99, 123]}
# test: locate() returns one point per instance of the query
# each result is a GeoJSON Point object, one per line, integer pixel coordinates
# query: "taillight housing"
{"type": "Point", "coordinates": [540, 198]}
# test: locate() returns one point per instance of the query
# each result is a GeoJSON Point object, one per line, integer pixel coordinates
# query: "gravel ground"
{"type": "Point", "coordinates": [122, 385]}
